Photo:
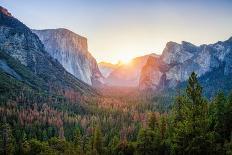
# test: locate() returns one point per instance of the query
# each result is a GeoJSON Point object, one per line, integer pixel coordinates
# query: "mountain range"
{"type": "Point", "coordinates": [58, 60]}
{"type": "Point", "coordinates": [106, 68]}
{"type": "Point", "coordinates": [25, 61]}
{"type": "Point", "coordinates": [178, 61]}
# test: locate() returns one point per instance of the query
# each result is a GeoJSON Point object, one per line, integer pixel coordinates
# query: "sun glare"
{"type": "Point", "coordinates": [125, 60]}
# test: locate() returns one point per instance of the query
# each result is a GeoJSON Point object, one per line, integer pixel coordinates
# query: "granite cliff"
{"type": "Point", "coordinates": [22, 45]}
{"type": "Point", "coordinates": [71, 51]}
{"type": "Point", "coordinates": [178, 61]}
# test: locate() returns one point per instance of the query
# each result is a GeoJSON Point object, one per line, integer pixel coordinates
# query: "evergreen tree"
{"type": "Point", "coordinates": [78, 141]}
{"type": "Point", "coordinates": [44, 135]}
{"type": "Point", "coordinates": [25, 146]}
{"type": "Point", "coordinates": [153, 121]}
{"type": "Point", "coordinates": [113, 144]}
{"type": "Point", "coordinates": [217, 116]}
{"type": "Point", "coordinates": [228, 147]}
{"type": "Point", "coordinates": [190, 134]}
{"type": "Point", "coordinates": [86, 144]}
{"type": "Point", "coordinates": [147, 142]}
{"type": "Point", "coordinates": [162, 133]}
{"type": "Point", "coordinates": [98, 142]}
{"type": "Point", "coordinates": [125, 148]}
{"type": "Point", "coordinates": [90, 147]}
{"type": "Point", "coordinates": [7, 141]}
{"type": "Point", "coordinates": [228, 118]}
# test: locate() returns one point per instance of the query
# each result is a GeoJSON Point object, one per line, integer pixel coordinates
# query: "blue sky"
{"type": "Point", "coordinates": [122, 29]}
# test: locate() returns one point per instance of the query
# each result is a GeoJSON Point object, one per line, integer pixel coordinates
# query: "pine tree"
{"type": "Point", "coordinates": [86, 144]}
{"type": "Point", "coordinates": [153, 121]}
{"type": "Point", "coordinates": [44, 135]}
{"type": "Point", "coordinates": [217, 113]}
{"type": "Point", "coordinates": [147, 142]}
{"type": "Point", "coordinates": [228, 147]}
{"type": "Point", "coordinates": [78, 141]}
{"type": "Point", "coordinates": [124, 148]}
{"type": "Point", "coordinates": [90, 147]}
{"type": "Point", "coordinates": [190, 134]}
{"type": "Point", "coordinates": [7, 141]}
{"type": "Point", "coordinates": [228, 118]}
{"type": "Point", "coordinates": [162, 133]}
{"type": "Point", "coordinates": [98, 142]}
{"type": "Point", "coordinates": [113, 144]}
{"type": "Point", "coordinates": [25, 146]}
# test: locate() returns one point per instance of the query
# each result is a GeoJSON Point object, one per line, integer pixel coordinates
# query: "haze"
{"type": "Point", "coordinates": [123, 29]}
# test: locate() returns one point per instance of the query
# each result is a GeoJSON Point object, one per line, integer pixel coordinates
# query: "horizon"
{"type": "Point", "coordinates": [129, 29]}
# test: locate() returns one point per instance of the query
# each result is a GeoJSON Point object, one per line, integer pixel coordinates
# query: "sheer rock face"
{"type": "Point", "coordinates": [71, 51]}
{"type": "Point", "coordinates": [182, 59]}
{"type": "Point", "coordinates": [19, 42]}
{"type": "Point", "coordinates": [152, 74]}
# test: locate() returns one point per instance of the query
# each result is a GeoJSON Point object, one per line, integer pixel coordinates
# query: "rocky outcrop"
{"type": "Point", "coordinates": [128, 74]}
{"type": "Point", "coordinates": [71, 50]}
{"type": "Point", "coordinates": [152, 74]}
{"type": "Point", "coordinates": [182, 59]}
{"type": "Point", "coordinates": [7, 69]}
{"type": "Point", "coordinates": [5, 11]}
{"type": "Point", "coordinates": [18, 41]}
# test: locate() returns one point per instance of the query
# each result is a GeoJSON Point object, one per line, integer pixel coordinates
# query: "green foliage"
{"type": "Point", "coordinates": [228, 147]}
{"type": "Point", "coordinates": [38, 122]}
{"type": "Point", "coordinates": [7, 141]}
{"type": "Point", "coordinates": [147, 142]}
{"type": "Point", "coordinates": [153, 121]}
{"type": "Point", "coordinates": [78, 141]}
{"type": "Point", "coordinates": [113, 145]}
{"type": "Point", "coordinates": [98, 141]}
{"type": "Point", "coordinates": [125, 148]}
{"type": "Point", "coordinates": [190, 131]}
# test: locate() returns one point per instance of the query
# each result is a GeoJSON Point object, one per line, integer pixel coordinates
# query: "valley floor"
{"type": "Point", "coordinates": [118, 121]}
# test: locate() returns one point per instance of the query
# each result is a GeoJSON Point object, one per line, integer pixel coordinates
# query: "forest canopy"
{"type": "Point", "coordinates": [36, 123]}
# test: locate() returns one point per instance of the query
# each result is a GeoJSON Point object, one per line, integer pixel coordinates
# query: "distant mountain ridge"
{"type": "Point", "coordinates": [47, 54]}
{"type": "Point", "coordinates": [128, 74]}
{"type": "Point", "coordinates": [106, 68]}
{"type": "Point", "coordinates": [178, 61]}
{"type": "Point", "coordinates": [71, 50]}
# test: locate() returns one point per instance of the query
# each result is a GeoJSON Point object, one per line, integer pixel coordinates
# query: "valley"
{"type": "Point", "coordinates": [56, 99]}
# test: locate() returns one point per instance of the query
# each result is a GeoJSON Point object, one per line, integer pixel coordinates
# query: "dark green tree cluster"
{"type": "Point", "coordinates": [197, 126]}
{"type": "Point", "coordinates": [193, 126]}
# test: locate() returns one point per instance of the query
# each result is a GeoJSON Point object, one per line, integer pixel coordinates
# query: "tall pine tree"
{"type": "Point", "coordinates": [190, 133]}
{"type": "Point", "coordinates": [98, 141]}
{"type": "Point", "coordinates": [7, 141]}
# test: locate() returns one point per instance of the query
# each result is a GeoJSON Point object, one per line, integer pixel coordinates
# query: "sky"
{"type": "Point", "coordinates": [123, 29]}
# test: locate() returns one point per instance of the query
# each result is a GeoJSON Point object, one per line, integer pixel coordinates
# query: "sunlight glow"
{"type": "Point", "coordinates": [125, 60]}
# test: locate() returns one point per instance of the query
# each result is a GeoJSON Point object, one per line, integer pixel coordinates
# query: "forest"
{"type": "Point", "coordinates": [117, 122]}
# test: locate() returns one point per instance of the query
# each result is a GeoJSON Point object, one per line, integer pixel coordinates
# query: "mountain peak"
{"type": "Point", "coordinates": [230, 39]}
{"type": "Point", "coordinates": [185, 43]}
{"type": "Point", "coordinates": [171, 43]}
{"type": "Point", "coordinates": [71, 51]}
{"type": "Point", "coordinates": [5, 11]}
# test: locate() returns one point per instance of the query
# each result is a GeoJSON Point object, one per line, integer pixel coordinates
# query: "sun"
{"type": "Point", "coordinates": [125, 60]}
{"type": "Point", "coordinates": [122, 59]}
